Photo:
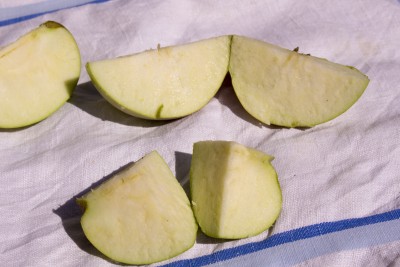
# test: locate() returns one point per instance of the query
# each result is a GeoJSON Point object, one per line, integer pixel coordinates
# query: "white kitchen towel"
{"type": "Point", "coordinates": [340, 180]}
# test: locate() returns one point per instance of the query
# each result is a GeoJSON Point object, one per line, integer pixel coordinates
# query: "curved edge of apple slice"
{"type": "Point", "coordinates": [68, 86]}
{"type": "Point", "coordinates": [269, 113]}
{"type": "Point", "coordinates": [157, 113]}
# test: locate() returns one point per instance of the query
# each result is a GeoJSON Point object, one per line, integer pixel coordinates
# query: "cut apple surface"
{"type": "Point", "coordinates": [141, 215]}
{"type": "Point", "coordinates": [38, 73]}
{"type": "Point", "coordinates": [286, 88]}
{"type": "Point", "coordinates": [165, 83]}
{"type": "Point", "coordinates": [235, 191]}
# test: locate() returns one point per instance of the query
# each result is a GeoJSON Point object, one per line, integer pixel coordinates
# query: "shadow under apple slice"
{"type": "Point", "coordinates": [182, 169]}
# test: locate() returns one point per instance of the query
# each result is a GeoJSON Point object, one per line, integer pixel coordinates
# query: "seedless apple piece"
{"type": "Point", "coordinates": [38, 73]}
{"type": "Point", "coordinates": [235, 191]}
{"type": "Point", "coordinates": [141, 215]}
{"type": "Point", "coordinates": [283, 87]}
{"type": "Point", "coordinates": [165, 83]}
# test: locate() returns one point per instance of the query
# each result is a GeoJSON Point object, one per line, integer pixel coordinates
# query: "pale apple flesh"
{"type": "Point", "coordinates": [286, 88]}
{"type": "Point", "coordinates": [234, 189]}
{"type": "Point", "coordinates": [165, 83]}
{"type": "Point", "coordinates": [38, 73]}
{"type": "Point", "coordinates": [141, 215]}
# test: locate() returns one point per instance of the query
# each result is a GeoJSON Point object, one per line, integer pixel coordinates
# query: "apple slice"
{"type": "Point", "coordinates": [286, 88]}
{"type": "Point", "coordinates": [165, 83]}
{"type": "Point", "coordinates": [141, 215]}
{"type": "Point", "coordinates": [235, 191]}
{"type": "Point", "coordinates": [38, 73]}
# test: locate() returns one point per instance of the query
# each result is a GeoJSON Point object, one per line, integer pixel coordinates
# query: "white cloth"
{"type": "Point", "coordinates": [342, 172]}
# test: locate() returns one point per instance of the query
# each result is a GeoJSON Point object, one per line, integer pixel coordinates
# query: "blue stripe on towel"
{"type": "Point", "coordinates": [304, 243]}
{"type": "Point", "coordinates": [11, 15]}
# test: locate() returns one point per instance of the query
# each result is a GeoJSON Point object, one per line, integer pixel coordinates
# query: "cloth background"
{"type": "Point", "coordinates": [339, 180]}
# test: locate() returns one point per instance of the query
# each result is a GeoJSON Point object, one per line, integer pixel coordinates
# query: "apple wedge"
{"type": "Point", "coordinates": [286, 88]}
{"type": "Point", "coordinates": [38, 73]}
{"type": "Point", "coordinates": [141, 215]}
{"type": "Point", "coordinates": [165, 83]}
{"type": "Point", "coordinates": [235, 191]}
